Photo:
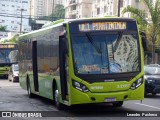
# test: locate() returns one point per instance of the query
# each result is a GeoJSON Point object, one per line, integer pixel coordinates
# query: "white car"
{"type": "Point", "coordinates": [13, 73]}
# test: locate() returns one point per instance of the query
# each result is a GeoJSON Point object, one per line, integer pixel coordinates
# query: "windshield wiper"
{"type": "Point", "coordinates": [118, 41]}
{"type": "Point", "coordinates": [90, 39]}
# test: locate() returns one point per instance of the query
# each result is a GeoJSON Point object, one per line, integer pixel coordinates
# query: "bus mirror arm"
{"type": "Point", "coordinates": [144, 40]}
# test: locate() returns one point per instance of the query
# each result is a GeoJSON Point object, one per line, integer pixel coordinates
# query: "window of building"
{"type": "Point", "coordinates": [24, 1]}
{"type": "Point", "coordinates": [98, 11]}
{"type": "Point", "coordinates": [73, 16]}
{"type": "Point", "coordinates": [105, 9]}
{"type": "Point", "coordinates": [73, 7]}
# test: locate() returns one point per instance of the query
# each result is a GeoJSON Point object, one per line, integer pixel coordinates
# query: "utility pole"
{"type": "Point", "coordinates": [52, 9]}
{"type": "Point", "coordinates": [118, 8]}
{"type": "Point", "coordinates": [21, 21]}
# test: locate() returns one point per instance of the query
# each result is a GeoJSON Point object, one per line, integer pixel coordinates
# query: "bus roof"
{"type": "Point", "coordinates": [64, 21]}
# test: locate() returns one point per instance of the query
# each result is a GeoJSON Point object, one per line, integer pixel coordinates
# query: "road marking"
{"type": "Point", "coordinates": [148, 105]}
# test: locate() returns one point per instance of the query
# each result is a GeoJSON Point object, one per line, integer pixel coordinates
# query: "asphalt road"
{"type": "Point", "coordinates": [13, 98]}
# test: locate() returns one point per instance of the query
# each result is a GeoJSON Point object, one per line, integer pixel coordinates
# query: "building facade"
{"type": "Point", "coordinates": [11, 12]}
{"type": "Point", "coordinates": [78, 8]}
{"type": "Point", "coordinates": [101, 8]}
{"type": "Point", "coordinates": [40, 8]}
{"type": "Point", "coordinates": [133, 3]}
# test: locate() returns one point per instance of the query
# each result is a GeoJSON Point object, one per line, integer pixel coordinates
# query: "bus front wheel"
{"type": "Point", "coordinates": [30, 95]}
{"type": "Point", "coordinates": [56, 100]}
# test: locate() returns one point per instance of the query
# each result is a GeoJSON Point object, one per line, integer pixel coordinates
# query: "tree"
{"type": "Point", "coordinates": [3, 28]}
{"type": "Point", "coordinates": [152, 25]}
{"type": "Point", "coordinates": [59, 12]}
{"type": "Point", "coordinates": [14, 39]}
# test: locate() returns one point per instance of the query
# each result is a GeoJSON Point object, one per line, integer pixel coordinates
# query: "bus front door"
{"type": "Point", "coordinates": [63, 64]}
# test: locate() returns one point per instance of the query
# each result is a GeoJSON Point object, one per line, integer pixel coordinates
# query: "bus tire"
{"type": "Point", "coordinates": [30, 94]}
{"type": "Point", "coordinates": [58, 105]}
{"type": "Point", "coordinates": [117, 104]}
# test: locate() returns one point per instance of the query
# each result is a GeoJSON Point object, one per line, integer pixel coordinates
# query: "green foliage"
{"type": "Point", "coordinates": [3, 28]}
{"type": "Point", "coordinates": [59, 12]}
{"type": "Point", "coordinates": [137, 14]}
{"type": "Point", "coordinates": [152, 26]}
{"type": "Point", "coordinates": [14, 39]}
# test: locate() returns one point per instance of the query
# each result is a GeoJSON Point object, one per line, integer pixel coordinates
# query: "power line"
{"type": "Point", "coordinates": [20, 15]}
{"type": "Point", "coordinates": [10, 15]}
{"type": "Point", "coordinates": [35, 17]}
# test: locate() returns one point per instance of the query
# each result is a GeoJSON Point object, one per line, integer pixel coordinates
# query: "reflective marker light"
{"type": "Point", "coordinates": [136, 84]}
{"type": "Point", "coordinates": [79, 86]}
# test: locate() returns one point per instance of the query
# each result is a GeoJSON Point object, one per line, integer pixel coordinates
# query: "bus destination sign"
{"type": "Point", "coordinates": [7, 46]}
{"type": "Point", "coordinates": [96, 26]}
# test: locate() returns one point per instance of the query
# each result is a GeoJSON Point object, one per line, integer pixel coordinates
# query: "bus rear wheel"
{"type": "Point", "coordinates": [117, 104]}
{"type": "Point", "coordinates": [56, 100]}
{"type": "Point", "coordinates": [30, 95]}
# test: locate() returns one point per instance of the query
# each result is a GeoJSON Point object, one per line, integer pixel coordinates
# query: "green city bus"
{"type": "Point", "coordinates": [94, 60]}
{"type": "Point", "coordinates": [8, 56]}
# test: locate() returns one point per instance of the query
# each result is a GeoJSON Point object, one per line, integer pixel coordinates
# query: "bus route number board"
{"type": "Point", "coordinates": [110, 99]}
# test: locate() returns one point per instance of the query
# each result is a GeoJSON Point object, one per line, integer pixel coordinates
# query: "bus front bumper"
{"type": "Point", "coordinates": [82, 98]}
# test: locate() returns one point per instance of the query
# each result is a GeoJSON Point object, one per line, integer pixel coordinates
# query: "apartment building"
{"type": "Point", "coordinates": [133, 3]}
{"type": "Point", "coordinates": [78, 8]}
{"type": "Point", "coordinates": [101, 8]}
{"type": "Point", "coordinates": [40, 8]}
{"type": "Point", "coordinates": [36, 8]}
{"type": "Point", "coordinates": [11, 12]}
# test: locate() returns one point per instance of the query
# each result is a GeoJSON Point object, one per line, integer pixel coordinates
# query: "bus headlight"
{"type": "Point", "coordinates": [136, 84]}
{"type": "Point", "coordinates": [79, 86]}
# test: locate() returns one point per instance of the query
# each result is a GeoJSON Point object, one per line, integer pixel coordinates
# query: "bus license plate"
{"type": "Point", "coordinates": [110, 99]}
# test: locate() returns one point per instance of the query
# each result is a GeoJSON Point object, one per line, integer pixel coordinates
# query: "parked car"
{"type": "Point", "coordinates": [152, 79]}
{"type": "Point", "coordinates": [13, 73]}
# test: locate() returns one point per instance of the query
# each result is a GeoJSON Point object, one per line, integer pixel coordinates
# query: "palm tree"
{"type": "Point", "coordinates": [152, 25]}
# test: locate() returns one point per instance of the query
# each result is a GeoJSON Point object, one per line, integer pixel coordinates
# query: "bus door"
{"type": "Point", "coordinates": [34, 60]}
{"type": "Point", "coordinates": [63, 66]}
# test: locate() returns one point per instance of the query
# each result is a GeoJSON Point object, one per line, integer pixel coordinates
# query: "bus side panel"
{"type": "Point", "coordinates": [23, 64]}
{"type": "Point", "coordinates": [48, 61]}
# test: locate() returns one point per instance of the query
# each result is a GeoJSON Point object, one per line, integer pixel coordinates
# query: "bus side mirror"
{"type": "Point", "coordinates": [144, 40]}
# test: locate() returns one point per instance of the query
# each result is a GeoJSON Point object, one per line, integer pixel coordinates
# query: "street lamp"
{"type": "Point", "coordinates": [21, 21]}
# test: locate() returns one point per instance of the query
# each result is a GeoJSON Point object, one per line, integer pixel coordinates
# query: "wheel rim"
{"type": "Point", "coordinates": [29, 90]}
{"type": "Point", "coordinates": [56, 97]}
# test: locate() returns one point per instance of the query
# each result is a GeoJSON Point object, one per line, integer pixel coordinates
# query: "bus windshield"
{"type": "Point", "coordinates": [105, 53]}
{"type": "Point", "coordinates": [8, 56]}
